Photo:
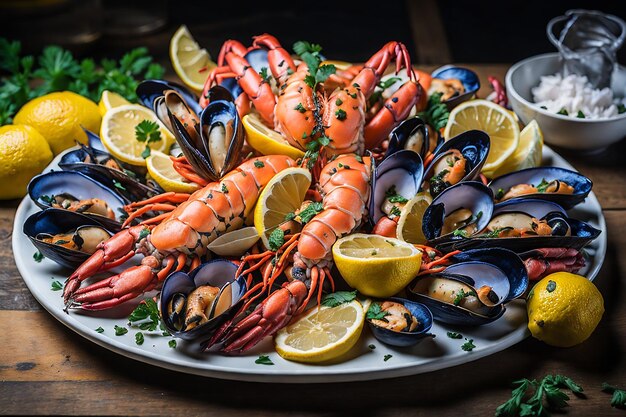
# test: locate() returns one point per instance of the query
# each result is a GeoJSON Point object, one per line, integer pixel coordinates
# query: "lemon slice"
{"type": "Point", "coordinates": [118, 133]}
{"type": "Point", "coordinates": [322, 334]}
{"type": "Point", "coordinates": [528, 154]}
{"type": "Point", "coordinates": [162, 170]}
{"type": "Point", "coordinates": [284, 194]}
{"type": "Point", "coordinates": [410, 221]}
{"type": "Point", "coordinates": [491, 118]}
{"type": "Point", "coordinates": [109, 100]}
{"type": "Point", "coordinates": [377, 266]}
{"type": "Point", "coordinates": [191, 63]}
{"type": "Point", "coordinates": [265, 140]}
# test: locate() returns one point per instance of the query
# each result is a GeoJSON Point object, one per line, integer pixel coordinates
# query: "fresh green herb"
{"type": "Point", "coordinates": [338, 102]}
{"type": "Point", "coordinates": [224, 188]}
{"type": "Point", "coordinates": [621, 108]}
{"type": "Point", "coordinates": [310, 211]}
{"type": "Point", "coordinates": [172, 343]}
{"type": "Point", "coordinates": [119, 185]}
{"type": "Point", "coordinates": [494, 233]}
{"type": "Point", "coordinates": [372, 347]}
{"type": "Point", "coordinates": [119, 331]}
{"type": "Point", "coordinates": [580, 114]}
{"type": "Point", "coordinates": [99, 330]}
{"type": "Point", "coordinates": [461, 294]}
{"type": "Point", "coordinates": [358, 158]}
{"type": "Point", "coordinates": [56, 286]}
{"type": "Point", "coordinates": [145, 316]}
{"type": "Point", "coordinates": [375, 312]}
{"type": "Point", "coordinates": [139, 338]}
{"type": "Point", "coordinates": [542, 186]}
{"type": "Point", "coordinates": [454, 335]}
{"type": "Point", "coordinates": [387, 357]}
{"type": "Point", "coordinates": [265, 74]}
{"type": "Point", "coordinates": [264, 360]}
{"type": "Point", "coordinates": [276, 239]}
{"type": "Point", "coordinates": [619, 396]}
{"type": "Point", "coordinates": [460, 232]}
{"type": "Point", "coordinates": [47, 199]}
{"type": "Point", "coordinates": [38, 256]}
{"type": "Point", "coordinates": [290, 216]}
{"type": "Point", "coordinates": [338, 297]}
{"type": "Point", "coordinates": [525, 403]}
{"type": "Point", "coordinates": [147, 131]}
{"type": "Point", "coordinates": [563, 112]}
{"type": "Point", "coordinates": [468, 346]}
{"type": "Point", "coordinates": [259, 164]}
{"type": "Point", "coordinates": [551, 286]}
{"type": "Point", "coordinates": [395, 211]}
{"type": "Point", "coordinates": [383, 85]}
{"type": "Point", "coordinates": [144, 233]}
{"type": "Point", "coordinates": [300, 108]}
{"type": "Point", "coordinates": [499, 194]}
{"type": "Point", "coordinates": [436, 113]}
{"type": "Point", "coordinates": [340, 114]}
{"type": "Point", "coordinates": [392, 195]}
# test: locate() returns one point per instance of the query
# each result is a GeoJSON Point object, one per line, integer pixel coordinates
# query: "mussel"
{"type": "Point", "coordinates": [67, 238]}
{"type": "Point", "coordinates": [458, 159]}
{"type": "Point", "coordinates": [457, 84]}
{"type": "Point", "coordinates": [402, 322]}
{"type": "Point", "coordinates": [559, 185]}
{"type": "Point", "coordinates": [400, 174]}
{"type": "Point", "coordinates": [211, 142]}
{"type": "Point", "coordinates": [150, 91]}
{"type": "Point", "coordinates": [415, 135]}
{"type": "Point", "coordinates": [73, 191]}
{"type": "Point", "coordinates": [473, 290]}
{"type": "Point", "coordinates": [194, 305]}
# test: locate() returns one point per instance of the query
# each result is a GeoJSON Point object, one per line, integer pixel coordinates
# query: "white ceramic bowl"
{"type": "Point", "coordinates": [559, 130]}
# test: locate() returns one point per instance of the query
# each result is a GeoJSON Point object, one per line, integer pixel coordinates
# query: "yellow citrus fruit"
{"type": "Point", "coordinates": [265, 140]}
{"type": "Point", "coordinates": [118, 133]}
{"type": "Point", "coordinates": [60, 118]}
{"type": "Point", "coordinates": [162, 170]}
{"type": "Point", "coordinates": [321, 334]}
{"type": "Point", "coordinates": [564, 309]}
{"type": "Point", "coordinates": [527, 155]}
{"type": "Point", "coordinates": [410, 221]}
{"type": "Point", "coordinates": [109, 100]}
{"type": "Point", "coordinates": [284, 194]}
{"type": "Point", "coordinates": [24, 153]}
{"type": "Point", "coordinates": [375, 265]}
{"type": "Point", "coordinates": [191, 63]}
{"type": "Point", "coordinates": [491, 118]}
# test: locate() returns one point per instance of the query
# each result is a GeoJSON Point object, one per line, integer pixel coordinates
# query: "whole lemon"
{"type": "Point", "coordinates": [60, 117]}
{"type": "Point", "coordinates": [564, 309]}
{"type": "Point", "coordinates": [24, 153]}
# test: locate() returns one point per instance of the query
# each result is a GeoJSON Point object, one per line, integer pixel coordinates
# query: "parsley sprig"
{"type": "Point", "coordinates": [147, 131]}
{"type": "Point", "coordinates": [57, 70]}
{"type": "Point", "coordinates": [436, 113]}
{"type": "Point", "coordinates": [619, 396]}
{"type": "Point", "coordinates": [338, 297]}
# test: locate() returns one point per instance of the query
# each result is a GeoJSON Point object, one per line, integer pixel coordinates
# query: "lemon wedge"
{"type": "Point", "coordinates": [321, 334]}
{"type": "Point", "coordinates": [528, 154]}
{"type": "Point", "coordinates": [494, 120]}
{"type": "Point", "coordinates": [109, 100]}
{"type": "Point", "coordinates": [265, 140]}
{"type": "Point", "coordinates": [410, 221]}
{"type": "Point", "coordinates": [284, 194]}
{"type": "Point", "coordinates": [377, 266]}
{"type": "Point", "coordinates": [191, 63]}
{"type": "Point", "coordinates": [118, 133]}
{"type": "Point", "coordinates": [162, 170]}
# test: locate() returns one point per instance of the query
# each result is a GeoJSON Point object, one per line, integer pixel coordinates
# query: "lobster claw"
{"type": "Point", "coordinates": [268, 317]}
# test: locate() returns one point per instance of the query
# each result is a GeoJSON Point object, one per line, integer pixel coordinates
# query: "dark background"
{"type": "Point", "coordinates": [459, 31]}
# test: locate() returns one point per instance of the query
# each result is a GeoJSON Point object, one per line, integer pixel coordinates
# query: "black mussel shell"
{"type": "Point", "coordinates": [581, 184]}
{"type": "Point", "coordinates": [402, 339]}
{"type": "Point", "coordinates": [468, 78]}
{"type": "Point", "coordinates": [54, 221]}
{"type": "Point", "coordinates": [150, 90]}
{"type": "Point", "coordinates": [412, 131]}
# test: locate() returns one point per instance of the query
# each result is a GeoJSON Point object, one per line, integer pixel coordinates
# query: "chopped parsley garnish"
{"type": "Point", "coordinates": [118, 185]}
{"type": "Point", "coordinates": [139, 338]}
{"type": "Point", "coordinates": [499, 194]}
{"type": "Point", "coordinates": [460, 232]}
{"type": "Point", "coordinates": [563, 112]}
{"type": "Point", "coordinates": [300, 108]}
{"type": "Point", "coordinates": [580, 114]}
{"type": "Point", "coordinates": [387, 357]}
{"type": "Point", "coordinates": [290, 216]}
{"type": "Point", "coordinates": [375, 312]}
{"type": "Point", "coordinates": [147, 131]}
{"type": "Point", "coordinates": [338, 297]}
{"type": "Point", "coordinates": [542, 186]}
{"type": "Point", "coordinates": [172, 343]}
{"type": "Point", "coordinates": [224, 188]}
{"type": "Point", "coordinates": [145, 315]}
{"type": "Point", "coordinates": [263, 360]}
{"type": "Point", "coordinates": [56, 286]}
{"type": "Point", "coordinates": [38, 256]}
{"type": "Point", "coordinates": [338, 102]}
{"type": "Point", "coordinates": [454, 335]}
{"type": "Point", "coordinates": [468, 346]}
{"type": "Point", "coordinates": [619, 396]}
{"type": "Point", "coordinates": [259, 164]}
{"type": "Point", "coordinates": [393, 197]}
{"type": "Point", "coordinates": [310, 211]}
{"type": "Point", "coordinates": [276, 239]}
{"type": "Point", "coordinates": [395, 211]}
{"type": "Point", "coordinates": [371, 347]}
{"type": "Point", "coordinates": [436, 113]}
{"type": "Point", "coordinates": [621, 108]}
{"type": "Point", "coordinates": [144, 233]}
{"type": "Point", "coordinates": [340, 114]}
{"type": "Point", "coordinates": [120, 331]}
{"type": "Point", "coordinates": [460, 295]}
{"type": "Point", "coordinates": [265, 74]}
{"type": "Point", "coordinates": [99, 330]}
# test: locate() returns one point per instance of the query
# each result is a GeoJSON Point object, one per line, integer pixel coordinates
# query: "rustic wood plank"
{"type": "Point", "coordinates": [428, 32]}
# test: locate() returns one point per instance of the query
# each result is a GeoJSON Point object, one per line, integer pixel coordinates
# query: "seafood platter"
{"type": "Point", "coordinates": [325, 196]}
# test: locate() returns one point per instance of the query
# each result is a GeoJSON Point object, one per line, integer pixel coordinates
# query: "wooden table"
{"type": "Point", "coordinates": [45, 368]}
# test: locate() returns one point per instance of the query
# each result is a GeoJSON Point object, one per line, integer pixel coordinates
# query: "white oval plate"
{"type": "Point", "coordinates": [361, 363]}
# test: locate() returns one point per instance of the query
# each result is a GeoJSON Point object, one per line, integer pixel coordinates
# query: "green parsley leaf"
{"type": "Point", "coordinates": [119, 185]}
{"type": "Point", "coordinates": [563, 112]}
{"type": "Point", "coordinates": [395, 211]}
{"type": "Point", "coordinates": [310, 211]}
{"type": "Point", "coordinates": [172, 343]}
{"type": "Point", "coordinates": [38, 256]}
{"type": "Point", "coordinates": [375, 312]}
{"type": "Point", "coordinates": [259, 164]}
{"type": "Point", "coordinates": [387, 357]}
{"type": "Point", "coordinates": [323, 72]}
{"type": "Point", "coordinates": [224, 188]}
{"type": "Point", "coordinates": [460, 295]}
{"type": "Point", "coordinates": [99, 330]}
{"type": "Point", "coordinates": [145, 316]}
{"type": "Point", "coordinates": [56, 286]}
{"type": "Point", "coordinates": [580, 114]}
{"type": "Point", "coordinates": [119, 331]}
{"type": "Point", "coordinates": [460, 232]}
{"type": "Point", "coordinates": [468, 346]}
{"type": "Point", "coordinates": [139, 338]}
{"type": "Point", "coordinates": [144, 233]}
{"type": "Point", "coordinates": [290, 216]}
{"type": "Point", "coordinates": [619, 396]}
{"type": "Point", "coordinates": [338, 297]}
{"type": "Point", "coordinates": [263, 360]}
{"type": "Point", "coordinates": [265, 74]}
{"type": "Point", "coordinates": [340, 114]}
{"type": "Point", "coordinates": [276, 239]}
{"type": "Point", "coordinates": [454, 335]}
{"type": "Point", "coordinates": [542, 186]}
{"type": "Point", "coordinates": [147, 131]}
{"type": "Point", "coordinates": [621, 108]}
{"type": "Point", "coordinates": [436, 113]}
{"type": "Point", "coordinates": [371, 347]}
{"type": "Point", "coordinates": [300, 108]}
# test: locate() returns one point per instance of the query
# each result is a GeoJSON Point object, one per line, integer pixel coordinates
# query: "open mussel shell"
{"type": "Point", "coordinates": [474, 145]}
{"type": "Point", "coordinates": [403, 170]}
{"type": "Point", "coordinates": [581, 184]}
{"type": "Point", "coordinates": [150, 90]}
{"type": "Point", "coordinates": [467, 77]}
{"type": "Point", "coordinates": [470, 195]}
{"type": "Point", "coordinates": [580, 233]}
{"type": "Point", "coordinates": [413, 134]}
{"type": "Point", "coordinates": [404, 338]}
{"type": "Point", "coordinates": [499, 270]}
{"type": "Point", "coordinates": [58, 221]}
{"type": "Point", "coordinates": [94, 141]}
{"type": "Point", "coordinates": [101, 167]}
{"type": "Point", "coordinates": [218, 273]}
{"type": "Point", "coordinates": [77, 186]}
